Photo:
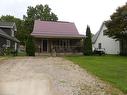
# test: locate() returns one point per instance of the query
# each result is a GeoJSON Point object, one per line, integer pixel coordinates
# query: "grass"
{"type": "Point", "coordinates": [5, 57]}
{"type": "Point", "coordinates": [109, 68]}
{"type": "Point", "coordinates": [22, 54]}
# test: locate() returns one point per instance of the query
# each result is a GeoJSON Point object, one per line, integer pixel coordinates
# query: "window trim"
{"type": "Point", "coordinates": [99, 45]}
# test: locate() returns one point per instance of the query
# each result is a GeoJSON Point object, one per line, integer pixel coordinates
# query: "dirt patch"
{"type": "Point", "coordinates": [41, 75]}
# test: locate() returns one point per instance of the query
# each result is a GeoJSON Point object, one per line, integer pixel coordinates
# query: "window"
{"type": "Point", "coordinates": [64, 43]}
{"type": "Point", "coordinates": [8, 43]}
{"type": "Point", "coordinates": [99, 45]}
{"type": "Point", "coordinates": [68, 43]}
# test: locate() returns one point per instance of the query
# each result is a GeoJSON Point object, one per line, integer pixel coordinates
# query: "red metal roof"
{"type": "Point", "coordinates": [55, 29]}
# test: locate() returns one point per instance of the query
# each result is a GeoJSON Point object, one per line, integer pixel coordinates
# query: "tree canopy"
{"type": "Point", "coordinates": [40, 12]}
{"type": "Point", "coordinates": [117, 25]}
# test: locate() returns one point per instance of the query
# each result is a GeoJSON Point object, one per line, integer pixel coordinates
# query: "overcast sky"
{"type": "Point", "coordinates": [81, 12]}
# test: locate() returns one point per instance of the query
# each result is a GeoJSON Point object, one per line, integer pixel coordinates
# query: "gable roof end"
{"type": "Point", "coordinates": [8, 25]}
{"type": "Point", "coordinates": [94, 38]}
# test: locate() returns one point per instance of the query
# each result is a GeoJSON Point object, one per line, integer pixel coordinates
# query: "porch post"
{"type": "Point", "coordinates": [15, 46]}
{"type": "Point", "coordinates": [41, 46]}
{"type": "Point", "coordinates": [51, 45]}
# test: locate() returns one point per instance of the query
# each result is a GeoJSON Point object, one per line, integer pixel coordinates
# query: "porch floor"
{"type": "Point", "coordinates": [57, 54]}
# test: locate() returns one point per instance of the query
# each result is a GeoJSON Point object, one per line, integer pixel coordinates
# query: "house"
{"type": "Point", "coordinates": [7, 36]}
{"type": "Point", "coordinates": [59, 37]}
{"type": "Point", "coordinates": [100, 41]}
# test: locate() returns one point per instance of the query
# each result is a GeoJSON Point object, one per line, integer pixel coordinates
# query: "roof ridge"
{"type": "Point", "coordinates": [5, 24]}
{"type": "Point", "coordinates": [55, 21]}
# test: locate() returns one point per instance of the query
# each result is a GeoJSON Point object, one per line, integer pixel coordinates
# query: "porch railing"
{"type": "Point", "coordinates": [70, 49]}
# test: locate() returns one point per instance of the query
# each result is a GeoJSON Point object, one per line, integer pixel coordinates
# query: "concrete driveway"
{"type": "Point", "coordinates": [48, 76]}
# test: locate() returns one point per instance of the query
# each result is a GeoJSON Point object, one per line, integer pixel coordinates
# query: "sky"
{"type": "Point", "coordinates": [81, 12]}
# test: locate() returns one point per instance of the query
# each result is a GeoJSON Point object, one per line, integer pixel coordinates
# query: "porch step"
{"type": "Point", "coordinates": [42, 54]}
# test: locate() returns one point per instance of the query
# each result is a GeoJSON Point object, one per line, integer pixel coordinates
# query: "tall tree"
{"type": "Point", "coordinates": [88, 42]}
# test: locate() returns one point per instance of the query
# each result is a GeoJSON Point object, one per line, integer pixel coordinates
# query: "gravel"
{"type": "Point", "coordinates": [65, 77]}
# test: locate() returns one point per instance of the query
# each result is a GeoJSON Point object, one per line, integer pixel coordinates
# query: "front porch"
{"type": "Point", "coordinates": [67, 46]}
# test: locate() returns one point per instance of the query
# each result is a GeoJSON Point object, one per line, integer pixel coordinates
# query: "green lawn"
{"type": "Point", "coordinates": [109, 68]}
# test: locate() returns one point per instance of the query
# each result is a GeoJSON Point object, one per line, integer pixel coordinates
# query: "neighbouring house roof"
{"type": "Point", "coordinates": [8, 25]}
{"type": "Point", "coordinates": [50, 29]}
{"type": "Point", "coordinates": [94, 38]}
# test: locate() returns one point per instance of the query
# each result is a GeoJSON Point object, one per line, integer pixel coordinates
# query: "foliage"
{"type": "Point", "coordinates": [30, 46]}
{"type": "Point", "coordinates": [88, 42]}
{"type": "Point", "coordinates": [109, 68]}
{"type": "Point", "coordinates": [40, 12]}
{"type": "Point", "coordinates": [117, 25]}
{"type": "Point", "coordinates": [7, 51]}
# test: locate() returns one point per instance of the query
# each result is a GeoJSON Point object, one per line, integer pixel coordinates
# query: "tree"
{"type": "Point", "coordinates": [117, 25]}
{"type": "Point", "coordinates": [88, 42]}
{"type": "Point", "coordinates": [30, 46]}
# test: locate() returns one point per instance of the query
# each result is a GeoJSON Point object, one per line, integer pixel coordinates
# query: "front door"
{"type": "Point", "coordinates": [45, 45]}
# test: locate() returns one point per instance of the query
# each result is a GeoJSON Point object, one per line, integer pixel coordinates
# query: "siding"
{"type": "Point", "coordinates": [111, 46]}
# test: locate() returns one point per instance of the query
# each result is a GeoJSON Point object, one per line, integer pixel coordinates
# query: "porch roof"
{"type": "Point", "coordinates": [37, 35]}
{"type": "Point", "coordinates": [50, 29]}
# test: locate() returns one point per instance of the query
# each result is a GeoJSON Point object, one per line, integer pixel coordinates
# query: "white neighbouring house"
{"type": "Point", "coordinates": [101, 41]}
